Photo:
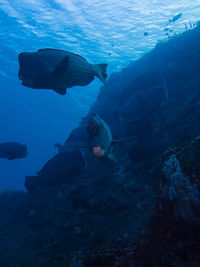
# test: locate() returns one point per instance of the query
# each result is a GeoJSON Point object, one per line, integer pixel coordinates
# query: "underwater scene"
{"type": "Point", "coordinates": [100, 133]}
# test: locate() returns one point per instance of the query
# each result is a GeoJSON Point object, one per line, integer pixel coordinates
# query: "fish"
{"type": "Point", "coordinates": [58, 70]}
{"type": "Point", "coordinates": [103, 139]}
{"type": "Point", "coordinates": [78, 138]}
{"type": "Point", "coordinates": [102, 135]}
{"type": "Point", "coordinates": [61, 168]}
{"type": "Point", "coordinates": [176, 17]}
{"type": "Point", "coordinates": [12, 150]}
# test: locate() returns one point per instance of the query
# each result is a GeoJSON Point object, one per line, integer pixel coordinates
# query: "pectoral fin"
{"type": "Point", "coordinates": [125, 139]}
{"type": "Point", "coordinates": [61, 91]}
{"type": "Point", "coordinates": [112, 157]}
{"type": "Point", "coordinates": [61, 68]}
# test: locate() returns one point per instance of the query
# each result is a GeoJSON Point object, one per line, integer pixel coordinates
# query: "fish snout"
{"type": "Point", "coordinates": [99, 151]}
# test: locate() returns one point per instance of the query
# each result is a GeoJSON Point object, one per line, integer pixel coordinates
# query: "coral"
{"type": "Point", "coordinates": [179, 190]}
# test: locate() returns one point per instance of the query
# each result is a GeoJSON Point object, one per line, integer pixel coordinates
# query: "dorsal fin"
{"type": "Point", "coordinates": [60, 50]}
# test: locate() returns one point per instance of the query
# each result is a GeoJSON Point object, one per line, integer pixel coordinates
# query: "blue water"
{"type": "Point", "coordinates": [101, 31]}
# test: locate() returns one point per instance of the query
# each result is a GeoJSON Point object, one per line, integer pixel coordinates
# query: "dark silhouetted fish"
{"type": "Point", "coordinates": [59, 169]}
{"type": "Point", "coordinates": [79, 138]}
{"type": "Point", "coordinates": [13, 150]}
{"type": "Point", "coordinates": [57, 69]}
{"type": "Point", "coordinates": [176, 17]}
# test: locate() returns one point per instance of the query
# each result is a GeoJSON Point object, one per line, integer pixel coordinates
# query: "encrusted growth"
{"type": "Point", "coordinates": [179, 190]}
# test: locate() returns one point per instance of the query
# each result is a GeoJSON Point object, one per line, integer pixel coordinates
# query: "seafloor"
{"type": "Point", "coordinates": [144, 208]}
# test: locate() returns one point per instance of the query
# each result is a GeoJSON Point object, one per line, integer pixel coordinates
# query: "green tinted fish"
{"type": "Point", "coordinates": [102, 135]}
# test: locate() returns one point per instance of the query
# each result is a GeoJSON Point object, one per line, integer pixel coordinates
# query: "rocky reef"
{"type": "Point", "coordinates": [143, 208]}
{"type": "Point", "coordinates": [172, 236]}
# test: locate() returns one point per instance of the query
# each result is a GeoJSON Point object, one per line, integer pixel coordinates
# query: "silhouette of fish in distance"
{"type": "Point", "coordinates": [58, 70]}
{"type": "Point", "coordinates": [13, 150]}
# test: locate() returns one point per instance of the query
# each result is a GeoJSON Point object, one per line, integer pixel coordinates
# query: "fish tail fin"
{"type": "Point", "coordinates": [100, 71]}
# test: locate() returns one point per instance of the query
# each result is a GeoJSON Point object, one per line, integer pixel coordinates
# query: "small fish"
{"type": "Point", "coordinates": [57, 70]}
{"type": "Point", "coordinates": [13, 150]}
{"type": "Point", "coordinates": [191, 25]}
{"type": "Point", "coordinates": [176, 17]}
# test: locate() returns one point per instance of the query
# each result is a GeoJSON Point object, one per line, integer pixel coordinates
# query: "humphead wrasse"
{"type": "Point", "coordinates": [57, 70]}
{"type": "Point", "coordinates": [102, 135]}
{"type": "Point", "coordinates": [13, 150]}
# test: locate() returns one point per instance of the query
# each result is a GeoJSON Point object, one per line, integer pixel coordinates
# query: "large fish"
{"type": "Point", "coordinates": [103, 139]}
{"type": "Point", "coordinates": [102, 135]}
{"type": "Point", "coordinates": [12, 150]}
{"type": "Point", "coordinates": [57, 69]}
{"type": "Point", "coordinates": [59, 169]}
